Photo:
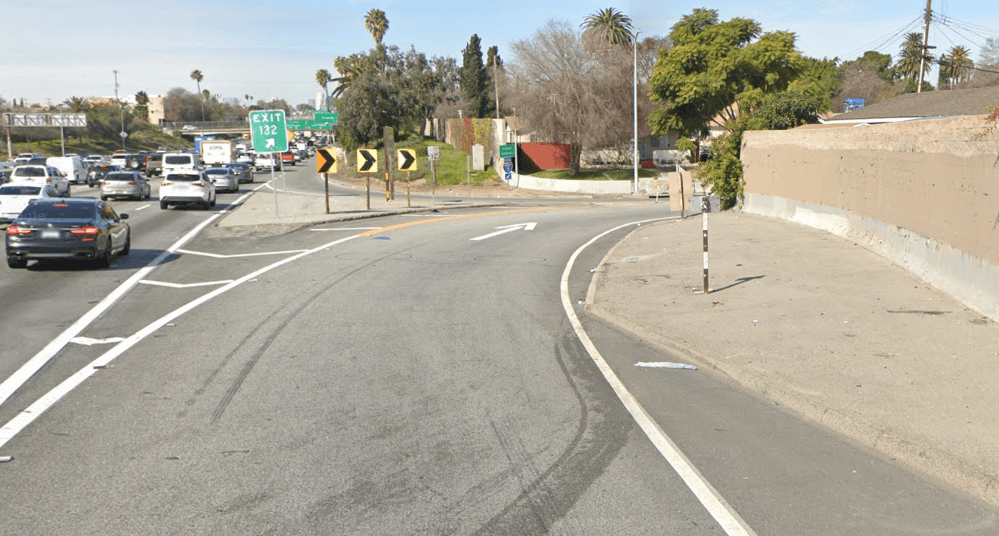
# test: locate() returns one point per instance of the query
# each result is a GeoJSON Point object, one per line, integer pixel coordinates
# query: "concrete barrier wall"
{"type": "Point", "coordinates": [924, 194]}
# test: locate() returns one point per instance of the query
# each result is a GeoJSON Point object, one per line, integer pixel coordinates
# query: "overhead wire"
{"type": "Point", "coordinates": [883, 41]}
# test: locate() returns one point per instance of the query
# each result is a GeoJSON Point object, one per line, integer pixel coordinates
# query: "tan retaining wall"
{"type": "Point", "coordinates": [924, 194]}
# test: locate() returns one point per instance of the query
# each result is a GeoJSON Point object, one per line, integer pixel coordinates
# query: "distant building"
{"type": "Point", "coordinates": [157, 109]}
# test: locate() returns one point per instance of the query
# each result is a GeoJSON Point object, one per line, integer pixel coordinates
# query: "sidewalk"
{"type": "Point", "coordinates": [823, 327]}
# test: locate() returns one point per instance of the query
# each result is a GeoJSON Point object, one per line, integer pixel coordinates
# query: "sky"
{"type": "Point", "coordinates": [57, 49]}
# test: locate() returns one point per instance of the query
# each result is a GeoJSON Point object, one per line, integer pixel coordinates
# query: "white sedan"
{"type": "Point", "coordinates": [14, 197]}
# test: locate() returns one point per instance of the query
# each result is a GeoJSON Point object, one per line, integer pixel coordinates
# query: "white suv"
{"type": "Point", "coordinates": [40, 176]}
{"type": "Point", "coordinates": [187, 187]}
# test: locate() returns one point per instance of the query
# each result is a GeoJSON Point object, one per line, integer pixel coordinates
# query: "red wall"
{"type": "Point", "coordinates": [544, 155]}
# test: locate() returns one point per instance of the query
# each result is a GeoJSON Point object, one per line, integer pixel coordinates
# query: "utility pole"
{"type": "Point", "coordinates": [926, 43]}
{"type": "Point", "coordinates": [121, 108]}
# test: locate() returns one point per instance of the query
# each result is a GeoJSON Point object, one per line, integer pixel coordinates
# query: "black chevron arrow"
{"type": "Point", "coordinates": [408, 159]}
{"type": "Point", "coordinates": [369, 161]}
{"type": "Point", "coordinates": [327, 160]}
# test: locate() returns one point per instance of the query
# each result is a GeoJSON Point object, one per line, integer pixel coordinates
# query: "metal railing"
{"type": "Point", "coordinates": [205, 125]}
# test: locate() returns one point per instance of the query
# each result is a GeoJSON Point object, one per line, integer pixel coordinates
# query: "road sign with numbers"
{"type": "Point", "coordinates": [269, 131]}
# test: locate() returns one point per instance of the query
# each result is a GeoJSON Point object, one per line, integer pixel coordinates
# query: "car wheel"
{"type": "Point", "coordinates": [104, 261]}
{"type": "Point", "coordinates": [128, 244]}
{"type": "Point", "coordinates": [16, 262]}
{"type": "Point", "coordinates": [212, 202]}
{"type": "Point", "coordinates": [163, 205]}
{"type": "Point", "coordinates": [104, 198]}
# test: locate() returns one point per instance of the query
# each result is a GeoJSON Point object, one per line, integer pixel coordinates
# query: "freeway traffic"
{"type": "Point", "coordinates": [416, 373]}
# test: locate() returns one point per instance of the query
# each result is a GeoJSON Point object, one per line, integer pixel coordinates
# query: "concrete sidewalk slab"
{"type": "Point", "coordinates": [823, 327]}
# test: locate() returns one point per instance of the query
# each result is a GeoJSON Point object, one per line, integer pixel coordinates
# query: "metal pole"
{"type": "Point", "coordinates": [367, 189]}
{"type": "Point", "coordinates": [62, 137]}
{"type": "Point", "coordinates": [468, 177]}
{"type": "Point", "coordinates": [277, 210]}
{"type": "Point", "coordinates": [433, 188]}
{"type": "Point", "coordinates": [407, 190]}
{"type": "Point", "coordinates": [634, 45]}
{"type": "Point", "coordinates": [326, 176]}
{"type": "Point", "coordinates": [704, 219]}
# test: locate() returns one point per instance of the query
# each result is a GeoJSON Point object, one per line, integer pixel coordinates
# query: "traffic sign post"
{"type": "Point", "coordinates": [367, 161]}
{"type": "Point", "coordinates": [406, 159]}
{"type": "Point", "coordinates": [269, 131]}
{"type": "Point", "coordinates": [507, 151]}
{"type": "Point", "coordinates": [326, 163]}
{"type": "Point", "coordinates": [433, 152]}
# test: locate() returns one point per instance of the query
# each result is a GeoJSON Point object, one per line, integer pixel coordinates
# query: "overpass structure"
{"type": "Point", "coordinates": [229, 129]}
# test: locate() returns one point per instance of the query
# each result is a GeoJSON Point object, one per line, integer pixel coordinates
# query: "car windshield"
{"type": "Point", "coordinates": [20, 190]}
{"type": "Point", "coordinates": [62, 211]}
{"type": "Point", "coordinates": [117, 176]}
{"type": "Point", "coordinates": [29, 172]}
{"type": "Point", "coordinates": [177, 159]}
{"type": "Point", "coordinates": [217, 171]}
{"type": "Point", "coordinates": [184, 177]}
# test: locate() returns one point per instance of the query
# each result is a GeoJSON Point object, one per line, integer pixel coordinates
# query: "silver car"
{"type": "Point", "coordinates": [125, 184]}
{"type": "Point", "coordinates": [244, 172]}
{"type": "Point", "coordinates": [187, 187]}
{"type": "Point", "coordinates": [223, 178]}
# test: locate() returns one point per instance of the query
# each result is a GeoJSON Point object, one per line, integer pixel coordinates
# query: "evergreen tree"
{"type": "Point", "coordinates": [474, 80]}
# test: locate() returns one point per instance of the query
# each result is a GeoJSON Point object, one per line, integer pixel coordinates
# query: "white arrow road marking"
{"type": "Point", "coordinates": [507, 229]}
{"type": "Point", "coordinates": [217, 256]}
{"type": "Point", "coordinates": [189, 285]}
{"type": "Point", "coordinates": [90, 342]}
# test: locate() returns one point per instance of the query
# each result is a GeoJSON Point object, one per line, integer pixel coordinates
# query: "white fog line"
{"type": "Point", "coordinates": [725, 515]}
{"type": "Point", "coordinates": [21, 375]}
{"type": "Point", "coordinates": [27, 416]}
{"type": "Point", "coordinates": [187, 285]}
{"type": "Point", "coordinates": [236, 255]}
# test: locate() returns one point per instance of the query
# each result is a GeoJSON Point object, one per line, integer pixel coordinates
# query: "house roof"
{"type": "Point", "coordinates": [940, 103]}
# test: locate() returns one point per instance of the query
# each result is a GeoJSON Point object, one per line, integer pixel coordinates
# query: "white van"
{"type": "Point", "coordinates": [180, 162]}
{"type": "Point", "coordinates": [70, 166]}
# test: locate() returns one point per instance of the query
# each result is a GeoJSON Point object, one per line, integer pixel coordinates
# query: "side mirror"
{"type": "Point", "coordinates": [123, 216]}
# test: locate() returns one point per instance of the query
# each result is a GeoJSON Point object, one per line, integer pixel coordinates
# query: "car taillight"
{"type": "Point", "coordinates": [199, 183]}
{"type": "Point", "coordinates": [165, 183]}
{"type": "Point", "coordinates": [85, 230]}
{"type": "Point", "coordinates": [133, 183]}
{"type": "Point", "coordinates": [14, 230]}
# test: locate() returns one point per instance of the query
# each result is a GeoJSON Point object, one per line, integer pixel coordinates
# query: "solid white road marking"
{"type": "Point", "coordinates": [143, 207]}
{"type": "Point", "coordinates": [349, 229]}
{"type": "Point", "coordinates": [507, 229]}
{"type": "Point", "coordinates": [40, 406]}
{"type": "Point", "coordinates": [217, 256]}
{"type": "Point", "coordinates": [21, 375]}
{"type": "Point", "coordinates": [665, 364]}
{"type": "Point", "coordinates": [725, 515]}
{"type": "Point", "coordinates": [188, 285]}
{"type": "Point", "coordinates": [87, 341]}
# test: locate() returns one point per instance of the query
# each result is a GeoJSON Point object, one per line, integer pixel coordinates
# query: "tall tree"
{"type": "Point", "coordinates": [609, 26]}
{"type": "Point", "coordinates": [989, 55]}
{"type": "Point", "coordinates": [142, 104]}
{"type": "Point", "coordinates": [912, 55]}
{"type": "Point", "coordinates": [198, 77]}
{"type": "Point", "coordinates": [956, 65]}
{"type": "Point", "coordinates": [323, 78]}
{"type": "Point", "coordinates": [77, 104]}
{"type": "Point", "coordinates": [475, 80]}
{"type": "Point", "coordinates": [376, 24]}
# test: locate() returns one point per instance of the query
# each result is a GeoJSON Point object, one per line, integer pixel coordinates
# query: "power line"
{"type": "Point", "coordinates": [885, 40]}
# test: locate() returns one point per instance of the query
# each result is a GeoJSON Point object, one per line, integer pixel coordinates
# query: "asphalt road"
{"type": "Point", "coordinates": [396, 376]}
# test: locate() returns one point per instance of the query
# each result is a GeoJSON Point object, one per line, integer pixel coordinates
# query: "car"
{"type": "Point", "coordinates": [186, 188]}
{"type": "Point", "coordinates": [288, 158]}
{"type": "Point", "coordinates": [154, 164]}
{"type": "Point", "coordinates": [40, 176]}
{"type": "Point", "coordinates": [245, 158]}
{"type": "Point", "coordinates": [243, 171]}
{"type": "Point", "coordinates": [97, 173]}
{"type": "Point", "coordinates": [223, 178]}
{"type": "Point", "coordinates": [179, 162]}
{"type": "Point", "coordinates": [71, 166]}
{"type": "Point", "coordinates": [130, 161]}
{"type": "Point", "coordinates": [125, 184]}
{"type": "Point", "coordinates": [266, 162]}
{"type": "Point", "coordinates": [14, 197]}
{"type": "Point", "coordinates": [78, 228]}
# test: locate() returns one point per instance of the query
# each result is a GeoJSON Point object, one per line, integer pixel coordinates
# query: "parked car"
{"type": "Point", "coordinates": [97, 173]}
{"type": "Point", "coordinates": [187, 187]}
{"type": "Point", "coordinates": [14, 197]}
{"type": "Point", "coordinates": [243, 171]}
{"type": "Point", "coordinates": [79, 228]}
{"type": "Point", "coordinates": [223, 178]}
{"type": "Point", "coordinates": [125, 184]}
{"type": "Point", "coordinates": [40, 176]}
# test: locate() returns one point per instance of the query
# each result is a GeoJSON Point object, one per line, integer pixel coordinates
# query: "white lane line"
{"type": "Point", "coordinates": [188, 285]}
{"type": "Point", "coordinates": [21, 375]}
{"type": "Point", "coordinates": [348, 229]}
{"type": "Point", "coordinates": [725, 515]}
{"type": "Point", "coordinates": [143, 207]}
{"type": "Point", "coordinates": [87, 341]}
{"type": "Point", "coordinates": [236, 255]}
{"type": "Point", "coordinates": [32, 412]}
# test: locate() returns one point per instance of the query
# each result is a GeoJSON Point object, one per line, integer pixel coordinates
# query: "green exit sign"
{"type": "Point", "coordinates": [269, 131]}
{"type": "Point", "coordinates": [327, 117]}
{"type": "Point", "coordinates": [507, 151]}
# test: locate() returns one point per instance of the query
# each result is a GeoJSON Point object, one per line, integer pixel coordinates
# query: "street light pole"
{"type": "Point", "coordinates": [634, 45]}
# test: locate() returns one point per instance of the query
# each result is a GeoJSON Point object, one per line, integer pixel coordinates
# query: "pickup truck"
{"type": "Point", "coordinates": [266, 161]}
{"type": "Point", "coordinates": [288, 158]}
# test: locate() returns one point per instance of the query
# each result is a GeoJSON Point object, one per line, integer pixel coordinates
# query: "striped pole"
{"type": "Point", "coordinates": [704, 219]}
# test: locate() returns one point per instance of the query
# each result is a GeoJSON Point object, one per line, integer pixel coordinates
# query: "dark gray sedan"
{"type": "Point", "coordinates": [75, 228]}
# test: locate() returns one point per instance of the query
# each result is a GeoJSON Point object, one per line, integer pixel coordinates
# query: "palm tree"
{"type": "Point", "coordinates": [77, 104]}
{"type": "Point", "coordinates": [198, 77]}
{"type": "Point", "coordinates": [609, 25]}
{"type": "Point", "coordinates": [323, 78]}
{"type": "Point", "coordinates": [911, 55]}
{"type": "Point", "coordinates": [958, 64]}
{"type": "Point", "coordinates": [376, 24]}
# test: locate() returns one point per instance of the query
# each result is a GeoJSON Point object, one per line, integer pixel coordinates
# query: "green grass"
{"type": "Point", "coordinates": [595, 174]}
{"type": "Point", "coordinates": [450, 168]}
{"type": "Point", "coordinates": [143, 140]}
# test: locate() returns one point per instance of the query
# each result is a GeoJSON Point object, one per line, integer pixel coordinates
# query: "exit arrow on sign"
{"type": "Point", "coordinates": [507, 229]}
{"type": "Point", "coordinates": [326, 163]}
{"type": "Point", "coordinates": [367, 161]}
